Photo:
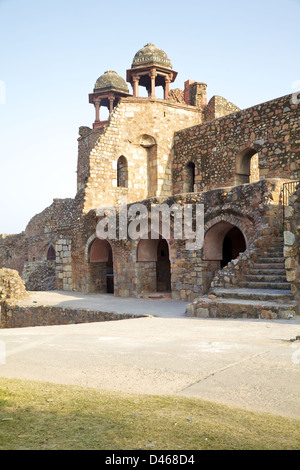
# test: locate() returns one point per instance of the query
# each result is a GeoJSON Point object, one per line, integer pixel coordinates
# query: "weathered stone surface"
{"type": "Point", "coordinates": [12, 287]}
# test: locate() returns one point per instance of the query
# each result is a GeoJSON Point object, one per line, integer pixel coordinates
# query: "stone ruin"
{"type": "Point", "coordinates": [243, 166]}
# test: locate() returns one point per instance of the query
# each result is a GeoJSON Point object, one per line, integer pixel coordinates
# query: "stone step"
{"type": "Point", "coordinates": [206, 307]}
{"type": "Point", "coordinates": [276, 295]}
{"type": "Point", "coordinates": [266, 285]}
{"type": "Point", "coordinates": [278, 240]}
{"type": "Point", "coordinates": [271, 260]}
{"type": "Point", "coordinates": [266, 272]}
{"type": "Point", "coordinates": [268, 266]}
{"type": "Point", "coordinates": [274, 252]}
{"type": "Point", "coordinates": [258, 276]}
{"type": "Point", "coordinates": [277, 246]}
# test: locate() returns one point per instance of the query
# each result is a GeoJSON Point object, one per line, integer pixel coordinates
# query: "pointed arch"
{"type": "Point", "coordinates": [51, 254]}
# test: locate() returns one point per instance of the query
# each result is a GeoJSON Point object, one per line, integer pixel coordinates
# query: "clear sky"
{"type": "Point", "coordinates": [51, 54]}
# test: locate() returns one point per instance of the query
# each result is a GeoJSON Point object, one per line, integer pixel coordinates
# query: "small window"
{"type": "Point", "coordinates": [247, 167]}
{"type": "Point", "coordinates": [122, 172]}
{"type": "Point", "coordinates": [189, 177]}
{"type": "Point", "coordinates": [51, 255]}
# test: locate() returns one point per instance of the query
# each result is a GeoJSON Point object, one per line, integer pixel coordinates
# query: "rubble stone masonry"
{"type": "Point", "coordinates": [271, 129]}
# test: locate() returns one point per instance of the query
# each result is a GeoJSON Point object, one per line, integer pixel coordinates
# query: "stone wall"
{"type": "Point", "coordinates": [13, 251]}
{"type": "Point", "coordinates": [15, 316]}
{"type": "Point", "coordinates": [141, 130]}
{"type": "Point", "coordinates": [39, 275]}
{"type": "Point", "coordinates": [254, 209]}
{"type": "Point", "coordinates": [292, 243]}
{"type": "Point", "coordinates": [270, 129]}
{"type": "Point", "coordinates": [218, 107]}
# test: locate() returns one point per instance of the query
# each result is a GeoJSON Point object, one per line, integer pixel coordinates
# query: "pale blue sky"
{"type": "Point", "coordinates": [51, 54]}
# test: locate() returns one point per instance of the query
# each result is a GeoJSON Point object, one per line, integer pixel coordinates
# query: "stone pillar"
{"type": "Point", "coordinates": [153, 76]}
{"type": "Point", "coordinates": [111, 102]}
{"type": "Point", "coordinates": [135, 86]}
{"type": "Point", "coordinates": [97, 108]}
{"type": "Point", "coordinates": [167, 87]}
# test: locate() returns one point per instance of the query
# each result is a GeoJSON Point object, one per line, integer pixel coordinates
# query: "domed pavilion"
{"type": "Point", "coordinates": [150, 68]}
{"type": "Point", "coordinates": [108, 90]}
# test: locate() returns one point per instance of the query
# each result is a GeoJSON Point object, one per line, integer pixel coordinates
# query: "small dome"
{"type": "Point", "coordinates": [110, 80]}
{"type": "Point", "coordinates": [151, 55]}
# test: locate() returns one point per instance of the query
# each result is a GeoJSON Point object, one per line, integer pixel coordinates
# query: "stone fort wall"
{"type": "Point", "coordinates": [271, 129]}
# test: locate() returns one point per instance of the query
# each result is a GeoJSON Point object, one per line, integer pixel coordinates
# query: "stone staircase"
{"type": "Point", "coordinates": [262, 293]}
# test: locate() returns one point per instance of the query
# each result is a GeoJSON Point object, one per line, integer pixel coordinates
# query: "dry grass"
{"type": "Point", "coordinates": [39, 416]}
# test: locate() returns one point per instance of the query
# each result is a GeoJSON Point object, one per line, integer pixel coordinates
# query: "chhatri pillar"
{"type": "Point", "coordinates": [151, 68]}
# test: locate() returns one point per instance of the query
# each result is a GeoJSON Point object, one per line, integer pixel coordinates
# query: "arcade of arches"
{"type": "Point", "coordinates": [223, 242]}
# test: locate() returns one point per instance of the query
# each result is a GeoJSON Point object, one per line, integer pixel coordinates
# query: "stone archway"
{"type": "Point", "coordinates": [247, 167]}
{"type": "Point", "coordinates": [163, 268]}
{"type": "Point", "coordinates": [51, 254]}
{"type": "Point", "coordinates": [148, 142]}
{"type": "Point", "coordinates": [153, 268]}
{"type": "Point", "coordinates": [100, 267]}
{"type": "Point", "coordinates": [223, 242]}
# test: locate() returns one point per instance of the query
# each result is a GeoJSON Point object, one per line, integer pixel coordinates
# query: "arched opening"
{"type": "Point", "coordinates": [233, 244]}
{"type": "Point", "coordinates": [153, 266]}
{"type": "Point", "coordinates": [163, 270]}
{"type": "Point", "coordinates": [149, 144]}
{"type": "Point", "coordinates": [247, 167]}
{"type": "Point", "coordinates": [122, 172]}
{"type": "Point", "coordinates": [101, 273]}
{"type": "Point", "coordinates": [51, 255]}
{"type": "Point", "coordinates": [222, 243]}
{"type": "Point", "coordinates": [189, 178]}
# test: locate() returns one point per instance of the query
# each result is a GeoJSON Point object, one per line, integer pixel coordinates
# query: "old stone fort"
{"type": "Point", "coordinates": [243, 166]}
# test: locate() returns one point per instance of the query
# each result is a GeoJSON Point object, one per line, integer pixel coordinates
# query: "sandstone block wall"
{"type": "Point", "coordinates": [142, 131]}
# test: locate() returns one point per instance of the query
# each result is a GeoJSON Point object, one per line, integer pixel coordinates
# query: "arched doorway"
{"type": "Point", "coordinates": [149, 144]}
{"type": "Point", "coordinates": [233, 244]}
{"type": "Point", "coordinates": [101, 273]}
{"type": "Point", "coordinates": [163, 271]}
{"type": "Point", "coordinates": [223, 242]}
{"type": "Point", "coordinates": [153, 268]}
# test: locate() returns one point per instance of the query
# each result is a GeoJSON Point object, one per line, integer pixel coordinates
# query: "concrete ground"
{"type": "Point", "coordinates": [251, 364]}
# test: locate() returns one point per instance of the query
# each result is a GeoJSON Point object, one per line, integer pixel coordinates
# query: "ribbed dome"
{"type": "Point", "coordinates": [110, 80]}
{"type": "Point", "coordinates": [151, 55]}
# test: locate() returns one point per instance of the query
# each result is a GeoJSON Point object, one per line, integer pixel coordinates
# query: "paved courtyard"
{"type": "Point", "coordinates": [251, 364]}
